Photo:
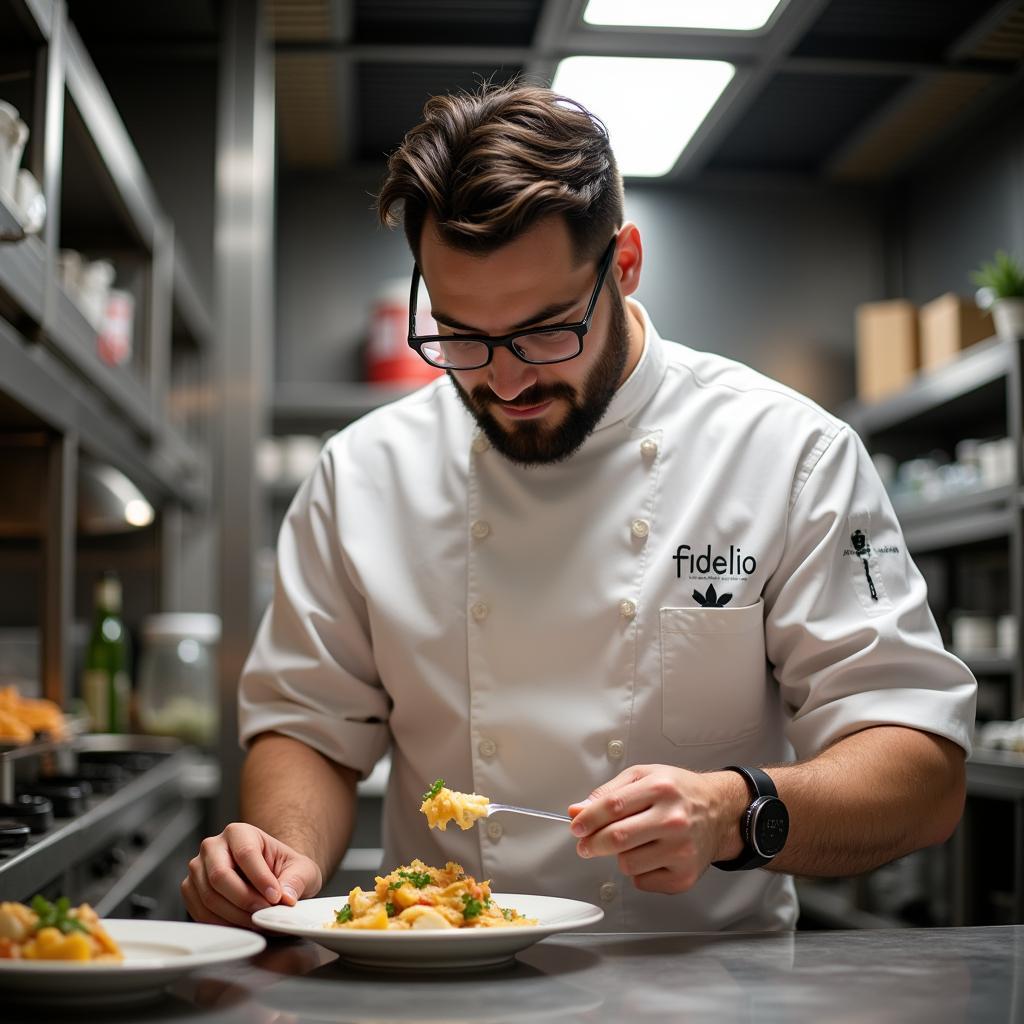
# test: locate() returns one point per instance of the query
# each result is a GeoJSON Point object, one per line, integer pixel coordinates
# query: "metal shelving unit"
{"type": "Point", "coordinates": [56, 392]}
{"type": "Point", "coordinates": [980, 394]}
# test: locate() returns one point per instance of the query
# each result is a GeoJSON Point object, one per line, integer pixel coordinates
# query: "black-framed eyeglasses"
{"type": "Point", "coordinates": [538, 345]}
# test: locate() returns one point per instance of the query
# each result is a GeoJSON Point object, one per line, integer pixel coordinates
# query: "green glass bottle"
{"type": "Point", "coordinates": [105, 684]}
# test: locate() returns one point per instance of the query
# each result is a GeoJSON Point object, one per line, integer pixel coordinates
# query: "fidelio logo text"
{"type": "Point", "coordinates": [709, 563]}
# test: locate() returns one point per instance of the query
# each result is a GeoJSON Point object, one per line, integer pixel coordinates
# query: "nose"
{"type": "Point", "coordinates": [508, 377]}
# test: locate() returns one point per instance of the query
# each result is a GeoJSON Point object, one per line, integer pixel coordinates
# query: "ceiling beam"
{"type": "Point", "coordinates": [746, 86]}
{"type": "Point", "coordinates": [900, 68]}
{"type": "Point", "coordinates": [556, 17]}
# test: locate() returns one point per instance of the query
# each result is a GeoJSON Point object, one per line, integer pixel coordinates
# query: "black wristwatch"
{"type": "Point", "coordinates": [764, 825]}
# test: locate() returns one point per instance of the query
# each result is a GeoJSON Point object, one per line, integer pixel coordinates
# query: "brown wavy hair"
{"type": "Point", "coordinates": [489, 164]}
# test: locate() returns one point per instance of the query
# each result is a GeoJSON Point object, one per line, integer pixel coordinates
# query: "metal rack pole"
{"type": "Point", "coordinates": [59, 564]}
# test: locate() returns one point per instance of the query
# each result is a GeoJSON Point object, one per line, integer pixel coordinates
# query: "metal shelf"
{"type": "Point", "coordinates": [988, 664]}
{"type": "Point", "coordinates": [996, 773]}
{"type": "Point", "coordinates": [981, 364]}
{"type": "Point", "coordinates": [40, 383]}
{"type": "Point", "coordinates": [912, 513]}
{"type": "Point", "coordinates": [23, 271]}
{"type": "Point", "coordinates": [75, 337]}
{"type": "Point", "coordinates": [11, 227]}
{"type": "Point", "coordinates": [968, 527]}
{"type": "Point", "coordinates": [319, 407]}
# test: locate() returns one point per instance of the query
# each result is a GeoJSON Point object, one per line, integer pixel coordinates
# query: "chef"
{"type": "Point", "coordinates": [589, 568]}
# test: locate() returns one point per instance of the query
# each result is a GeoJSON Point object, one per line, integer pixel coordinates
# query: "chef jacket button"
{"type": "Point", "coordinates": [480, 529]}
{"type": "Point", "coordinates": [479, 611]}
{"type": "Point", "coordinates": [480, 444]}
{"type": "Point", "coordinates": [494, 829]}
{"type": "Point", "coordinates": [487, 748]}
{"type": "Point", "coordinates": [608, 891]}
{"type": "Point", "coordinates": [616, 748]}
{"type": "Point", "coordinates": [627, 609]}
{"type": "Point", "coordinates": [648, 448]}
{"type": "Point", "coordinates": [640, 528]}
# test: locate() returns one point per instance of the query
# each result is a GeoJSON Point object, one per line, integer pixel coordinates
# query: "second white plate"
{"type": "Point", "coordinates": [155, 953]}
{"type": "Point", "coordinates": [456, 949]}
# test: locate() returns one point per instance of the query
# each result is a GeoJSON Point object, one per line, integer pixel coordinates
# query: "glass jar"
{"type": "Point", "coordinates": [177, 679]}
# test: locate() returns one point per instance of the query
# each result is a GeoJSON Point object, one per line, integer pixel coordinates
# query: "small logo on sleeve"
{"type": "Point", "coordinates": [863, 551]}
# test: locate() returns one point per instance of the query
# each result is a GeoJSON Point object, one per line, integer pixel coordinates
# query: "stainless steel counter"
{"type": "Point", "coordinates": [875, 977]}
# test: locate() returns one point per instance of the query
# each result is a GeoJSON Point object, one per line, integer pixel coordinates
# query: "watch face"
{"type": "Point", "coordinates": [770, 826]}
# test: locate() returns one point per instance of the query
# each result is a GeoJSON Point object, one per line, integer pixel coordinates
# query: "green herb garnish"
{"type": "Point", "coordinates": [508, 914]}
{"type": "Point", "coordinates": [418, 879]}
{"type": "Point", "coordinates": [471, 907]}
{"type": "Point", "coordinates": [55, 915]}
{"type": "Point", "coordinates": [390, 908]}
{"type": "Point", "coordinates": [435, 787]}
{"type": "Point", "coordinates": [343, 915]}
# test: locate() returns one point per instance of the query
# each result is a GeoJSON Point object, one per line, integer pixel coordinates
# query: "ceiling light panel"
{"type": "Point", "coordinates": [734, 16]}
{"type": "Point", "coordinates": [651, 107]}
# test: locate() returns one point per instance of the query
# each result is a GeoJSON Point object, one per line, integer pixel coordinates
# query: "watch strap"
{"type": "Point", "coordinates": [760, 785]}
{"type": "Point", "coordinates": [759, 781]}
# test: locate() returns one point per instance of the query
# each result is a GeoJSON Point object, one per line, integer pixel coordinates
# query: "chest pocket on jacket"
{"type": "Point", "coordinates": [713, 673]}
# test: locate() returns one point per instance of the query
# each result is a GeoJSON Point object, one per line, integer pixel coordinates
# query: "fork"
{"type": "Point", "coordinates": [492, 808]}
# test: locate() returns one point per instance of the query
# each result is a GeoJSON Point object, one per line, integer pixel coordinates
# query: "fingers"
{"type": "Point", "coordinates": [207, 906]}
{"type": "Point", "coordinates": [627, 794]}
{"type": "Point", "coordinates": [220, 874]}
{"type": "Point", "coordinates": [245, 844]}
{"type": "Point", "coordinates": [300, 879]}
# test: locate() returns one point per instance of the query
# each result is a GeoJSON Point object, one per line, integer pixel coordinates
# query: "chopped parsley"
{"type": "Point", "coordinates": [390, 908]}
{"type": "Point", "coordinates": [418, 879]}
{"type": "Point", "coordinates": [508, 913]}
{"type": "Point", "coordinates": [343, 915]}
{"type": "Point", "coordinates": [472, 906]}
{"type": "Point", "coordinates": [435, 787]}
{"type": "Point", "coordinates": [55, 915]}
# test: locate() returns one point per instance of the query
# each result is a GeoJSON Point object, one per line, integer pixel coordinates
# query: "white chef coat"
{"type": "Point", "coordinates": [685, 590]}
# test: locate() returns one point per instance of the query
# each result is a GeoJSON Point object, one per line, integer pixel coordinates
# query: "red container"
{"type": "Point", "coordinates": [389, 359]}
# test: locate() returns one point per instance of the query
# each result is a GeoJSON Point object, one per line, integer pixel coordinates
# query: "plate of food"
{"type": "Point", "coordinates": [57, 954]}
{"type": "Point", "coordinates": [419, 917]}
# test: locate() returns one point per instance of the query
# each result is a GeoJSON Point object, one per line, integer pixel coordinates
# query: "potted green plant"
{"type": "Point", "coordinates": [1001, 288]}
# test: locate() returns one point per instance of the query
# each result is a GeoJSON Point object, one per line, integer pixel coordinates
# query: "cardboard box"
{"type": "Point", "coordinates": [887, 348]}
{"type": "Point", "coordinates": [948, 325]}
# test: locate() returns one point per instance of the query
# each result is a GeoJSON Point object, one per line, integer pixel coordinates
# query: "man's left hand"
{"type": "Point", "coordinates": [665, 825]}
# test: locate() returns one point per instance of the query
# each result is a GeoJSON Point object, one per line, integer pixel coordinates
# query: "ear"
{"type": "Point", "coordinates": [628, 259]}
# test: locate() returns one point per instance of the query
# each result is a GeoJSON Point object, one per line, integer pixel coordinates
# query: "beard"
{"type": "Point", "coordinates": [532, 444]}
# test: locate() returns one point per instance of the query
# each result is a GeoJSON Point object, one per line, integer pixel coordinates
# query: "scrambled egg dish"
{"type": "Point", "coordinates": [54, 931]}
{"type": "Point", "coordinates": [418, 896]}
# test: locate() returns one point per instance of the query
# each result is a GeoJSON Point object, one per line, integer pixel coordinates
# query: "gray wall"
{"type": "Point", "coordinates": [964, 201]}
{"type": "Point", "coordinates": [770, 277]}
{"type": "Point", "coordinates": [170, 111]}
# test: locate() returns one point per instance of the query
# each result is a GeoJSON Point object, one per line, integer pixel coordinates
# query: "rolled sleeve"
{"type": "Point", "coordinates": [849, 633]}
{"type": "Point", "coordinates": [311, 674]}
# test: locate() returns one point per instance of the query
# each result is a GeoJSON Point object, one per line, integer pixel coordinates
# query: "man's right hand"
{"type": "Point", "coordinates": [243, 870]}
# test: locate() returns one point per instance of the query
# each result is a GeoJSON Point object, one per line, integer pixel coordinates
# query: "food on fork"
{"type": "Point", "coordinates": [442, 805]}
{"type": "Point", "coordinates": [55, 931]}
{"type": "Point", "coordinates": [416, 896]}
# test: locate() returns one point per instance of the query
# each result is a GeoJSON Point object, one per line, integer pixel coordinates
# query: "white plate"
{"type": "Point", "coordinates": [458, 948]}
{"type": "Point", "coordinates": [155, 953]}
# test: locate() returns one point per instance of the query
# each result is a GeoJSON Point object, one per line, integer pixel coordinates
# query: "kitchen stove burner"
{"type": "Point", "coordinates": [67, 800]}
{"type": "Point", "coordinates": [34, 811]}
{"type": "Point", "coordinates": [13, 834]}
